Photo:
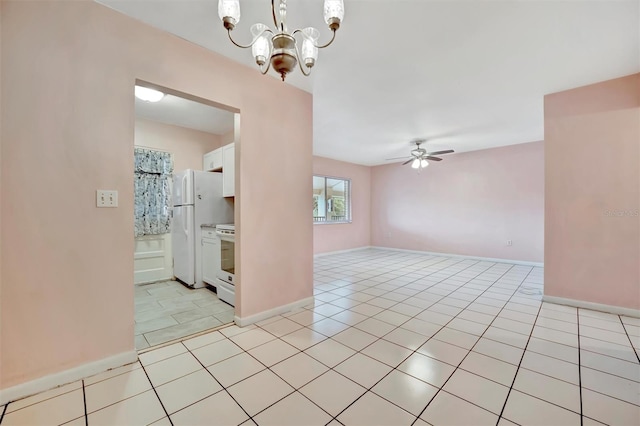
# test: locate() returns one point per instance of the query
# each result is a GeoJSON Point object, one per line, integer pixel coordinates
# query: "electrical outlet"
{"type": "Point", "coordinates": [509, 242]}
{"type": "Point", "coordinates": [106, 198]}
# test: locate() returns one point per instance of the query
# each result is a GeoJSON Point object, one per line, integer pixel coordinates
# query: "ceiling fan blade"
{"type": "Point", "coordinates": [448, 151]}
{"type": "Point", "coordinates": [407, 162]}
{"type": "Point", "coordinates": [397, 158]}
{"type": "Point", "coordinates": [428, 157]}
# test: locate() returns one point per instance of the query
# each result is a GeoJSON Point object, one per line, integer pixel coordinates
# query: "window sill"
{"type": "Point", "coordinates": [335, 222]}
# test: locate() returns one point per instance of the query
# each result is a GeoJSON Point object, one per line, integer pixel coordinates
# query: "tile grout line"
{"type": "Point", "coordinates": [156, 392]}
{"type": "Point", "coordinates": [84, 400]}
{"type": "Point", "coordinates": [224, 388]}
{"type": "Point", "coordinates": [524, 352]}
{"type": "Point", "coordinates": [629, 337]}
{"type": "Point", "coordinates": [579, 368]}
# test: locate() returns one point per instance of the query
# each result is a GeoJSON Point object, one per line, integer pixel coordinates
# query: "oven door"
{"type": "Point", "coordinates": [227, 259]}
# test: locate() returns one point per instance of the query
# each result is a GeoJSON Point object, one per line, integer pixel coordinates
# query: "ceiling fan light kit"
{"type": "Point", "coordinates": [279, 49]}
{"type": "Point", "coordinates": [418, 157]}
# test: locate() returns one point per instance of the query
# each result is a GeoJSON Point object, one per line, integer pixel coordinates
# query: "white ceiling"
{"type": "Point", "coordinates": [466, 74]}
{"type": "Point", "coordinates": [186, 113]}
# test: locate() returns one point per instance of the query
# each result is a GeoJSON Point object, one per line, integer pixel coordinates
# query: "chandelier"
{"type": "Point", "coordinates": [279, 48]}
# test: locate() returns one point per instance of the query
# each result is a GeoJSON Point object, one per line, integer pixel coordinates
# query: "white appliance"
{"type": "Point", "coordinates": [226, 273]}
{"type": "Point", "coordinates": [197, 200]}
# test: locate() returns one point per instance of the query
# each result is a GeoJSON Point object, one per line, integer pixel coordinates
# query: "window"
{"type": "Point", "coordinates": [331, 200]}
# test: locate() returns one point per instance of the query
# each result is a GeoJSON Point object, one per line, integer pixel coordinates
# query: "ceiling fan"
{"type": "Point", "coordinates": [419, 156]}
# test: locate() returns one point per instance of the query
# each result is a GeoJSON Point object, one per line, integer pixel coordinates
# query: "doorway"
{"type": "Point", "coordinates": [175, 132]}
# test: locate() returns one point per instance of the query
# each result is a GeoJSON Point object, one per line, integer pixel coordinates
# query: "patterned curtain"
{"type": "Point", "coordinates": [153, 170]}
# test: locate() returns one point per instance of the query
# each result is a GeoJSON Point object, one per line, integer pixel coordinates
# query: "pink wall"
{"type": "Point", "coordinates": [335, 237]}
{"type": "Point", "coordinates": [187, 146]}
{"type": "Point", "coordinates": [68, 71]}
{"type": "Point", "coordinates": [470, 204]}
{"type": "Point", "coordinates": [592, 234]}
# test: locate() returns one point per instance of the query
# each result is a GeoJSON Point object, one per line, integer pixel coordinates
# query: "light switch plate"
{"type": "Point", "coordinates": [106, 198]}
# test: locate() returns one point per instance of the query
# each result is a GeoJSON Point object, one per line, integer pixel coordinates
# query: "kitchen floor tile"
{"type": "Point", "coordinates": [405, 391]}
{"type": "Point", "coordinates": [294, 410]}
{"type": "Point", "coordinates": [548, 389]}
{"type": "Point", "coordinates": [551, 367]}
{"type": "Point", "coordinates": [332, 392]}
{"type": "Point", "coordinates": [610, 365]}
{"type": "Point", "coordinates": [355, 339]}
{"type": "Point", "coordinates": [387, 352]}
{"type": "Point", "coordinates": [304, 338]}
{"type": "Point", "coordinates": [427, 369]}
{"type": "Point", "coordinates": [234, 369]}
{"type": "Point", "coordinates": [447, 409]}
{"type": "Point", "coordinates": [43, 396]}
{"type": "Point", "coordinates": [490, 368]}
{"type": "Point", "coordinates": [328, 327]}
{"type": "Point", "coordinates": [187, 390]}
{"type": "Point", "coordinates": [172, 368]}
{"type": "Point", "coordinates": [56, 410]}
{"type": "Point", "coordinates": [273, 352]}
{"type": "Point", "coordinates": [610, 385]}
{"type": "Point", "coordinates": [363, 370]}
{"type": "Point", "coordinates": [251, 393]}
{"type": "Point", "coordinates": [477, 390]}
{"type": "Point", "coordinates": [252, 338]}
{"type": "Point", "coordinates": [216, 352]}
{"type": "Point", "coordinates": [219, 406]}
{"type": "Point", "coordinates": [370, 409]}
{"type": "Point", "coordinates": [526, 410]}
{"type": "Point", "coordinates": [299, 370]}
{"type": "Point", "coordinates": [160, 354]}
{"type": "Point", "coordinates": [457, 338]}
{"type": "Point", "coordinates": [144, 408]}
{"type": "Point", "coordinates": [115, 389]}
{"type": "Point", "coordinates": [330, 353]}
{"type": "Point", "coordinates": [281, 327]}
{"type": "Point", "coordinates": [444, 352]}
{"type": "Point", "coordinates": [609, 410]}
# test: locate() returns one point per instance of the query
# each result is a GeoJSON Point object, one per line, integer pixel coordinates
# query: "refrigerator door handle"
{"type": "Point", "coordinates": [184, 188]}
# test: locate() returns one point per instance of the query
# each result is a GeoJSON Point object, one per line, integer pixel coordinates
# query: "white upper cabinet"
{"type": "Point", "coordinates": [223, 159]}
{"type": "Point", "coordinates": [212, 161]}
{"type": "Point", "coordinates": [229, 170]}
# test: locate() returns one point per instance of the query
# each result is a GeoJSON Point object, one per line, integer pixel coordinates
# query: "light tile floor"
{"type": "Point", "coordinates": [393, 338]}
{"type": "Point", "coordinates": [169, 310]}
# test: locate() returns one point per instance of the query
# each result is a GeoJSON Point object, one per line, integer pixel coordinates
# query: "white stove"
{"type": "Point", "coordinates": [226, 273]}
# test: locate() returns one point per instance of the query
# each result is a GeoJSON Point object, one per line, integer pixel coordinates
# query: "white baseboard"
{"type": "Point", "coordinates": [244, 321]}
{"type": "Point", "coordinates": [463, 256]}
{"type": "Point", "coordinates": [617, 310]}
{"type": "Point", "coordinates": [329, 253]}
{"type": "Point", "coordinates": [67, 376]}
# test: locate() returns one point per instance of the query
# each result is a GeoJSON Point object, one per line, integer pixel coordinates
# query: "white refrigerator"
{"type": "Point", "coordinates": [197, 200]}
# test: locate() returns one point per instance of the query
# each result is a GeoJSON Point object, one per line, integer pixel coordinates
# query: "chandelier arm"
{"type": "Point", "coordinates": [273, 14]}
{"type": "Point", "coordinates": [305, 73]}
{"type": "Point", "coordinates": [252, 41]}
{"type": "Point", "coordinates": [266, 69]}
{"type": "Point", "coordinates": [333, 37]}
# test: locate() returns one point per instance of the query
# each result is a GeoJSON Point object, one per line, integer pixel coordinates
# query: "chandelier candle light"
{"type": "Point", "coordinates": [279, 48]}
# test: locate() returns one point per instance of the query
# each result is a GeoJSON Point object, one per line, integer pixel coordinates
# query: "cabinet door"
{"type": "Point", "coordinates": [212, 161]}
{"type": "Point", "coordinates": [210, 260]}
{"type": "Point", "coordinates": [229, 170]}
